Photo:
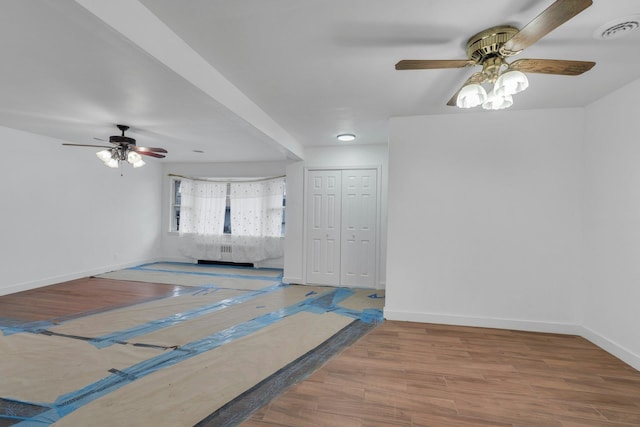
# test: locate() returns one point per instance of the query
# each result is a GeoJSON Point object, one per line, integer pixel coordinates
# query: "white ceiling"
{"type": "Point", "coordinates": [250, 80]}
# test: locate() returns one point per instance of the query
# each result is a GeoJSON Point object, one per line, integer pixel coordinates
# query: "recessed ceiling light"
{"type": "Point", "coordinates": [346, 137]}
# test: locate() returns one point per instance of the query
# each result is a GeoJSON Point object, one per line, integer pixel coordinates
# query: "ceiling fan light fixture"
{"type": "Point", "coordinates": [497, 102]}
{"type": "Point", "coordinates": [112, 163]}
{"type": "Point", "coordinates": [510, 83]}
{"type": "Point", "coordinates": [133, 157]}
{"type": "Point", "coordinates": [138, 164]}
{"type": "Point", "coordinates": [471, 96]}
{"type": "Point", "coordinates": [124, 149]}
{"type": "Point", "coordinates": [104, 155]}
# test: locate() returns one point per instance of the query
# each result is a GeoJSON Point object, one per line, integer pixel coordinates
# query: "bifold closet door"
{"type": "Point", "coordinates": [358, 231]}
{"type": "Point", "coordinates": [324, 190]}
{"type": "Point", "coordinates": [341, 224]}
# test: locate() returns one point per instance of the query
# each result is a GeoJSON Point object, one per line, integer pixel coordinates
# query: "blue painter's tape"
{"type": "Point", "coordinates": [369, 315]}
{"type": "Point", "coordinates": [205, 290]}
{"type": "Point", "coordinates": [42, 325]}
{"type": "Point", "coordinates": [35, 327]}
{"type": "Point", "coordinates": [310, 293]}
{"type": "Point", "coordinates": [322, 304]}
{"type": "Point", "coordinates": [202, 273]}
{"type": "Point", "coordinates": [328, 301]}
{"type": "Point", "coordinates": [70, 402]}
{"type": "Point", "coordinates": [372, 315]}
{"type": "Point", "coordinates": [342, 294]}
{"type": "Point", "coordinates": [155, 325]}
{"type": "Point", "coordinates": [354, 314]}
{"type": "Point", "coordinates": [375, 296]}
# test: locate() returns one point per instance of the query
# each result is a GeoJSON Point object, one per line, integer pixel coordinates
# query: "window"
{"type": "Point", "coordinates": [175, 208]}
{"type": "Point", "coordinates": [284, 207]}
{"type": "Point", "coordinates": [175, 205]}
{"type": "Point", "coordinates": [227, 214]}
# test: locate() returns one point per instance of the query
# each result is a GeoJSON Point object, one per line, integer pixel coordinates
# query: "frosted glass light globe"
{"type": "Point", "coordinates": [471, 96]}
{"type": "Point", "coordinates": [510, 83]}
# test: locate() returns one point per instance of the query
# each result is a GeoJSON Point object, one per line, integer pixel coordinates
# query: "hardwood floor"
{"type": "Point", "coordinates": [413, 374]}
{"type": "Point", "coordinates": [410, 374]}
{"type": "Point", "coordinates": [79, 297]}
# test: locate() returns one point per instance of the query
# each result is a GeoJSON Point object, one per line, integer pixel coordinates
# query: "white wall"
{"type": "Point", "coordinates": [170, 241]}
{"type": "Point", "coordinates": [611, 315]}
{"type": "Point", "coordinates": [338, 157]}
{"type": "Point", "coordinates": [484, 219]}
{"type": "Point", "coordinates": [65, 215]}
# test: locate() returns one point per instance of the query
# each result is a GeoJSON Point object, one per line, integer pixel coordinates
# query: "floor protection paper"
{"type": "Point", "coordinates": [171, 361]}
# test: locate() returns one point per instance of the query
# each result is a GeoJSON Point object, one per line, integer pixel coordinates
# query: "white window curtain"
{"type": "Point", "coordinates": [256, 219]}
{"type": "Point", "coordinates": [202, 210]}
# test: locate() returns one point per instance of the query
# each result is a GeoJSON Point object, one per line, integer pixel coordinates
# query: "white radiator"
{"type": "Point", "coordinates": [226, 253]}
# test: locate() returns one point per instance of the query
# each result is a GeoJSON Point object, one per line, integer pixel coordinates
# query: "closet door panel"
{"type": "Point", "coordinates": [358, 235]}
{"type": "Point", "coordinates": [324, 190]}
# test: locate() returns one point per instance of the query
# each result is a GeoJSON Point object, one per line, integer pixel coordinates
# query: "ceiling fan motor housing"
{"type": "Point", "coordinates": [123, 140]}
{"type": "Point", "coordinates": [487, 43]}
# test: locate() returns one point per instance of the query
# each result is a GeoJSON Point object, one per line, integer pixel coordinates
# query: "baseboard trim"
{"type": "Point", "coordinates": [25, 286]}
{"type": "Point", "coordinates": [277, 263]}
{"type": "Point", "coordinates": [483, 322]}
{"type": "Point", "coordinates": [298, 281]}
{"type": "Point", "coordinates": [612, 347]}
{"type": "Point", "coordinates": [604, 343]}
{"type": "Point", "coordinates": [293, 280]}
{"type": "Point", "coordinates": [184, 260]}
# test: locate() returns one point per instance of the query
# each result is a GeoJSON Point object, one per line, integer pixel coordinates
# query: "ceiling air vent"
{"type": "Point", "coordinates": [618, 28]}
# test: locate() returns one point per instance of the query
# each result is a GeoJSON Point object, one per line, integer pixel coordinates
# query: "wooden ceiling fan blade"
{"type": "Point", "coordinates": [151, 154]}
{"type": "Point", "coordinates": [476, 78]}
{"type": "Point", "coordinates": [87, 145]}
{"type": "Point", "coordinates": [431, 64]}
{"type": "Point", "coordinates": [154, 149]}
{"type": "Point", "coordinates": [552, 66]}
{"type": "Point", "coordinates": [551, 18]}
{"type": "Point", "coordinates": [454, 99]}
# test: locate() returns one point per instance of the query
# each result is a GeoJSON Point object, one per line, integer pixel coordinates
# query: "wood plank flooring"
{"type": "Point", "coordinates": [410, 374]}
{"type": "Point", "coordinates": [78, 297]}
{"type": "Point", "coordinates": [413, 374]}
